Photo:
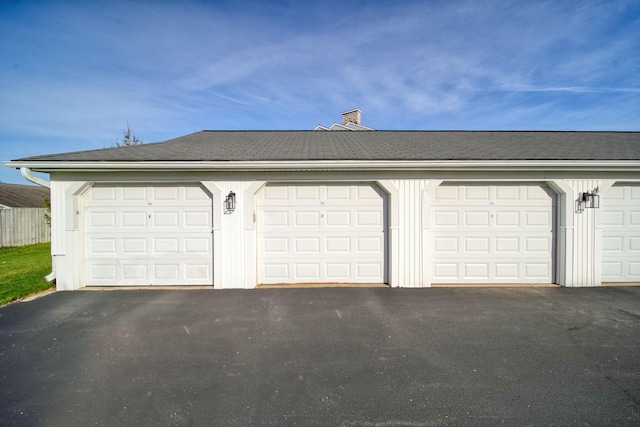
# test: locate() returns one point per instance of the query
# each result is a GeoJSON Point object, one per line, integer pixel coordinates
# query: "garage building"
{"type": "Point", "coordinates": [240, 209]}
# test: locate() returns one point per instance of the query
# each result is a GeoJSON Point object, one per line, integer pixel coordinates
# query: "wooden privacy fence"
{"type": "Point", "coordinates": [23, 226]}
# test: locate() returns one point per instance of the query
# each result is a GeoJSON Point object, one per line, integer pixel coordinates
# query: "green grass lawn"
{"type": "Point", "coordinates": [22, 271]}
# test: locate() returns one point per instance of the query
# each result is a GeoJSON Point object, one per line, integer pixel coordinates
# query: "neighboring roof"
{"type": "Point", "coordinates": [338, 126]}
{"type": "Point", "coordinates": [351, 120]}
{"type": "Point", "coordinates": [22, 196]}
{"type": "Point", "coordinates": [248, 146]}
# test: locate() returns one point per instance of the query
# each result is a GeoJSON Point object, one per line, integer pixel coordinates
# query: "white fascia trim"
{"type": "Point", "coordinates": [352, 165]}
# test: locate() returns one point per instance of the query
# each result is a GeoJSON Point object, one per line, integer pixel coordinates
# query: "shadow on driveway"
{"type": "Point", "coordinates": [332, 356]}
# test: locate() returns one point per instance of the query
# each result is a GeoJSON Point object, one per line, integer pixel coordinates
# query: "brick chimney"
{"type": "Point", "coordinates": [352, 116]}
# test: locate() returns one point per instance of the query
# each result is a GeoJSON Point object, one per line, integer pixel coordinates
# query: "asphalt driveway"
{"type": "Point", "coordinates": [373, 357]}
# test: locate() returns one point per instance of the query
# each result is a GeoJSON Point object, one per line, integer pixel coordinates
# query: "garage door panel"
{"type": "Point", "coordinates": [164, 245]}
{"type": "Point", "coordinates": [134, 246]}
{"type": "Point", "coordinates": [148, 235]}
{"type": "Point", "coordinates": [338, 218]}
{"type": "Point", "coordinates": [476, 218]}
{"type": "Point", "coordinates": [507, 271]}
{"type": "Point", "coordinates": [166, 271]}
{"type": "Point", "coordinates": [134, 193]}
{"type": "Point", "coordinates": [274, 218]}
{"type": "Point", "coordinates": [613, 218]}
{"type": "Point", "coordinates": [307, 245]}
{"type": "Point", "coordinates": [507, 218]}
{"type": "Point", "coordinates": [479, 271]}
{"type": "Point", "coordinates": [508, 194]}
{"type": "Point", "coordinates": [369, 245]}
{"type": "Point", "coordinates": [102, 273]}
{"type": "Point", "coordinates": [614, 244]}
{"type": "Point", "coordinates": [621, 234]}
{"type": "Point", "coordinates": [446, 218]}
{"type": "Point", "coordinates": [98, 194]}
{"type": "Point", "coordinates": [616, 194]}
{"type": "Point", "coordinates": [612, 269]}
{"type": "Point", "coordinates": [197, 272]}
{"type": "Point", "coordinates": [536, 193]}
{"type": "Point", "coordinates": [197, 246]}
{"type": "Point", "coordinates": [442, 245]}
{"type": "Point", "coordinates": [476, 192]}
{"type": "Point", "coordinates": [275, 272]}
{"type": "Point", "coordinates": [476, 270]}
{"type": "Point", "coordinates": [445, 271]}
{"type": "Point", "coordinates": [193, 193]}
{"type": "Point", "coordinates": [535, 270]}
{"type": "Point", "coordinates": [162, 219]}
{"type": "Point", "coordinates": [274, 245]}
{"type": "Point", "coordinates": [136, 271]}
{"type": "Point", "coordinates": [370, 272]}
{"type": "Point", "coordinates": [538, 219]}
{"type": "Point", "coordinates": [105, 246]}
{"type": "Point", "coordinates": [338, 271]}
{"type": "Point", "coordinates": [368, 193]}
{"type": "Point", "coordinates": [476, 244]}
{"type": "Point", "coordinates": [338, 245]}
{"type": "Point", "coordinates": [445, 192]}
{"type": "Point", "coordinates": [161, 194]}
{"type": "Point", "coordinates": [369, 218]}
{"type": "Point", "coordinates": [331, 231]}
{"type": "Point", "coordinates": [306, 218]}
{"type": "Point", "coordinates": [306, 193]}
{"type": "Point", "coordinates": [537, 245]}
{"type": "Point", "coordinates": [338, 194]}
{"type": "Point", "coordinates": [102, 220]}
{"type": "Point", "coordinates": [307, 272]}
{"type": "Point", "coordinates": [276, 193]}
{"type": "Point", "coordinates": [133, 219]}
{"type": "Point", "coordinates": [504, 241]}
{"type": "Point", "coordinates": [196, 219]}
{"type": "Point", "coordinates": [505, 245]}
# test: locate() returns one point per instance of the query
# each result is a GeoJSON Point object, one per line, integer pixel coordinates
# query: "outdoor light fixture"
{"type": "Point", "coordinates": [230, 202]}
{"type": "Point", "coordinates": [588, 200]}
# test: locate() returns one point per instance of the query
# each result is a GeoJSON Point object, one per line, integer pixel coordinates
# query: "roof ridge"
{"type": "Point", "coordinates": [422, 131]}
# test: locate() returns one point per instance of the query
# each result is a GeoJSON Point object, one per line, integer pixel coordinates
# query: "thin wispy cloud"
{"type": "Point", "coordinates": [73, 74]}
{"type": "Point", "coordinates": [570, 89]}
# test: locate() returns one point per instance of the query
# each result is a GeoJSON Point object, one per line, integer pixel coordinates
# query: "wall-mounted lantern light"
{"type": "Point", "coordinates": [588, 200]}
{"type": "Point", "coordinates": [230, 202]}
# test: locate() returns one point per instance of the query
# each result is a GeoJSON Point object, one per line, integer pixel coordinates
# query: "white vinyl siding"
{"type": "Point", "coordinates": [621, 234]}
{"type": "Point", "coordinates": [410, 239]}
{"type": "Point", "coordinates": [148, 235]}
{"type": "Point", "coordinates": [492, 234]}
{"type": "Point", "coordinates": [332, 233]}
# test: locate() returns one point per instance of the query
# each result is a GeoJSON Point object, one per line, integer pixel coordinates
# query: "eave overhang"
{"type": "Point", "coordinates": [334, 165]}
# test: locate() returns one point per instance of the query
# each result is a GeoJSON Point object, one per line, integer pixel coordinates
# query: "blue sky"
{"type": "Point", "coordinates": [73, 73]}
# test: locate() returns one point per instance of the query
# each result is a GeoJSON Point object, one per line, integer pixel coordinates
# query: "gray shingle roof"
{"type": "Point", "coordinates": [22, 196]}
{"type": "Point", "coordinates": [376, 145]}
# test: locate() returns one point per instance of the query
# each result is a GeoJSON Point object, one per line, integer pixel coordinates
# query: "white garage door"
{"type": "Point", "coordinates": [321, 234]}
{"type": "Point", "coordinates": [148, 235]}
{"type": "Point", "coordinates": [492, 234]}
{"type": "Point", "coordinates": [621, 234]}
